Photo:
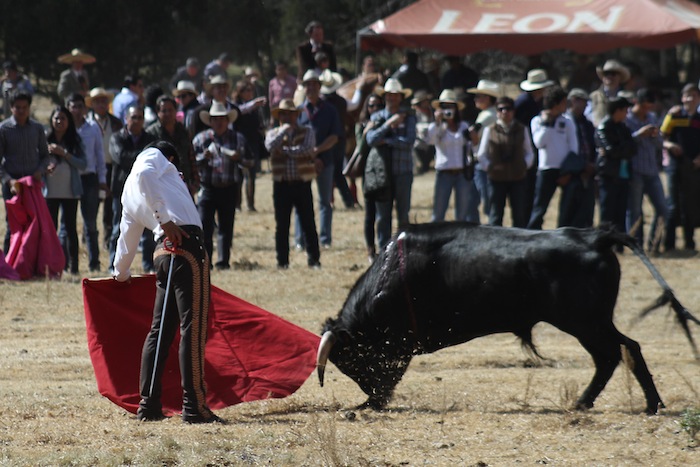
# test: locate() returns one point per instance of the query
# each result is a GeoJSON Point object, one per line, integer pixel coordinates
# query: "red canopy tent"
{"type": "Point", "coordinates": [459, 27]}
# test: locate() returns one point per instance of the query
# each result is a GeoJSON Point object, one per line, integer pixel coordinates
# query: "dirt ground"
{"type": "Point", "coordinates": [481, 403]}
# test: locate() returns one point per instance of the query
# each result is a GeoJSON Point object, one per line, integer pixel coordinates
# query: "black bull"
{"type": "Point", "coordinates": [438, 285]}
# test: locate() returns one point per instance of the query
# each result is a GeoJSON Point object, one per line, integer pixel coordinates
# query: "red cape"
{"type": "Point", "coordinates": [251, 354]}
{"type": "Point", "coordinates": [34, 246]}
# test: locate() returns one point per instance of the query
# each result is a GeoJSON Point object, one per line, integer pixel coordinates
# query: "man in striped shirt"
{"type": "Point", "coordinates": [23, 149]}
{"type": "Point", "coordinates": [292, 157]}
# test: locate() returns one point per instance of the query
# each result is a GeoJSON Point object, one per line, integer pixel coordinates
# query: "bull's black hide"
{"type": "Point", "coordinates": [437, 285]}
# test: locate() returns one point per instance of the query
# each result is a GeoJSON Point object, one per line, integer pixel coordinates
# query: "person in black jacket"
{"type": "Point", "coordinates": [615, 148]}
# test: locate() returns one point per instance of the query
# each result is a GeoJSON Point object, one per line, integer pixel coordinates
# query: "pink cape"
{"type": "Point", "coordinates": [6, 271]}
{"type": "Point", "coordinates": [34, 246]}
{"type": "Point", "coordinates": [251, 354]}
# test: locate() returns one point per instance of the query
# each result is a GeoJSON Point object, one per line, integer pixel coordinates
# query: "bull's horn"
{"type": "Point", "coordinates": [324, 349]}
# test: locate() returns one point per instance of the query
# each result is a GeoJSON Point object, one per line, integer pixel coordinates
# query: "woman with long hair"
{"type": "Point", "coordinates": [250, 124]}
{"type": "Point", "coordinates": [63, 188]}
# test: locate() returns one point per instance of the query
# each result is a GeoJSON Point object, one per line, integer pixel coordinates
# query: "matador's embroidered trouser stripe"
{"type": "Point", "coordinates": [188, 306]}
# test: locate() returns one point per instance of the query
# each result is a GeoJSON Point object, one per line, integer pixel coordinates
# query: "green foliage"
{"type": "Point", "coordinates": [154, 37]}
{"type": "Point", "coordinates": [690, 422]}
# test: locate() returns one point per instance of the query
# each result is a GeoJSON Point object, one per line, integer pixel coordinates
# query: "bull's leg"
{"type": "Point", "coordinates": [606, 356]}
{"type": "Point", "coordinates": [606, 353]}
{"type": "Point", "coordinates": [641, 372]}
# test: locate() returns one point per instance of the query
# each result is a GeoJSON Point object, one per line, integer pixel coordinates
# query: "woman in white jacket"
{"type": "Point", "coordinates": [450, 136]}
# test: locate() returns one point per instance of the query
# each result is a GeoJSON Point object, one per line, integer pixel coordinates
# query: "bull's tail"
{"type": "Point", "coordinates": [683, 315]}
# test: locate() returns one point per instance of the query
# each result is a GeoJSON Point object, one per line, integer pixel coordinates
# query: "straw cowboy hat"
{"type": "Point", "coordinates": [330, 81]}
{"type": "Point", "coordinates": [536, 79]}
{"type": "Point", "coordinates": [448, 96]}
{"type": "Point", "coordinates": [286, 105]}
{"type": "Point", "coordinates": [489, 88]}
{"type": "Point", "coordinates": [614, 66]}
{"type": "Point", "coordinates": [393, 86]}
{"type": "Point", "coordinates": [218, 109]}
{"type": "Point", "coordinates": [420, 96]}
{"type": "Point", "coordinates": [98, 92]}
{"type": "Point", "coordinates": [578, 93]}
{"type": "Point", "coordinates": [184, 87]}
{"type": "Point", "coordinates": [76, 55]}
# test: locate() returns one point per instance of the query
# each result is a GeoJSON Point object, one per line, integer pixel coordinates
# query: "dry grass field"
{"type": "Point", "coordinates": [481, 403]}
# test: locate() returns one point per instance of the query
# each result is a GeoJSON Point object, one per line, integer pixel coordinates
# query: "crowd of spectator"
{"type": "Point", "coordinates": [598, 142]}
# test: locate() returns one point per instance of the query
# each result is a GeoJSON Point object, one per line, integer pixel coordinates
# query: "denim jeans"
{"type": "Point", "coordinates": [89, 205]}
{"type": "Point", "coordinates": [445, 183]}
{"type": "Point", "coordinates": [6, 194]}
{"type": "Point", "coordinates": [651, 186]}
{"type": "Point", "coordinates": [545, 187]}
{"type": "Point", "coordinates": [515, 192]}
{"type": "Point", "coordinates": [401, 196]}
{"type": "Point", "coordinates": [324, 183]}
{"type": "Point", "coordinates": [478, 193]}
{"type": "Point", "coordinates": [613, 193]}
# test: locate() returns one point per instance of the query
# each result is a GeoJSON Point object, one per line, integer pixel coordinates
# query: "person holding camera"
{"type": "Point", "coordinates": [554, 135]}
{"type": "Point", "coordinates": [505, 154]}
{"type": "Point", "coordinates": [453, 166]}
{"type": "Point", "coordinates": [394, 129]}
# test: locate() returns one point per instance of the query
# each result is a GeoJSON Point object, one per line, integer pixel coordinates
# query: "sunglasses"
{"type": "Point", "coordinates": [373, 106]}
{"type": "Point", "coordinates": [505, 109]}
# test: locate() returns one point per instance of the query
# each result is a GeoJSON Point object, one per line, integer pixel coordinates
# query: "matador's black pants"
{"type": "Point", "coordinates": [188, 305]}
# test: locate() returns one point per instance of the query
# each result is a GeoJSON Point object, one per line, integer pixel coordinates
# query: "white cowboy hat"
{"type": "Point", "coordinates": [218, 109]}
{"type": "Point", "coordinates": [536, 79]}
{"type": "Point", "coordinates": [393, 86]}
{"type": "Point", "coordinates": [330, 81]}
{"type": "Point", "coordinates": [310, 75]}
{"type": "Point", "coordinates": [578, 93]}
{"type": "Point", "coordinates": [218, 79]}
{"type": "Point", "coordinates": [76, 55]}
{"type": "Point", "coordinates": [448, 96]}
{"type": "Point", "coordinates": [617, 67]}
{"type": "Point", "coordinates": [184, 87]}
{"type": "Point", "coordinates": [286, 105]}
{"type": "Point", "coordinates": [489, 88]}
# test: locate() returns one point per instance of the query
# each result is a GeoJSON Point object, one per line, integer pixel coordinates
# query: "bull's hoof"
{"type": "Point", "coordinates": [653, 409]}
{"type": "Point", "coordinates": [583, 405]}
{"type": "Point", "coordinates": [373, 403]}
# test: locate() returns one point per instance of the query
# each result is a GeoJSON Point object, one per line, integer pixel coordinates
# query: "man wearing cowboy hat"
{"type": "Point", "coordinates": [217, 90]}
{"type": "Point", "coordinates": [395, 130]}
{"type": "Point", "coordinates": [98, 102]}
{"type": "Point", "coordinates": [186, 96]}
{"type": "Point", "coordinates": [220, 151]}
{"type": "Point", "coordinates": [292, 158]}
{"type": "Point", "coordinates": [485, 94]}
{"type": "Point", "coordinates": [613, 74]}
{"type": "Point", "coordinates": [527, 106]}
{"type": "Point", "coordinates": [328, 129]}
{"type": "Point", "coordinates": [130, 95]}
{"type": "Point", "coordinates": [330, 82]}
{"type": "Point", "coordinates": [74, 79]}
